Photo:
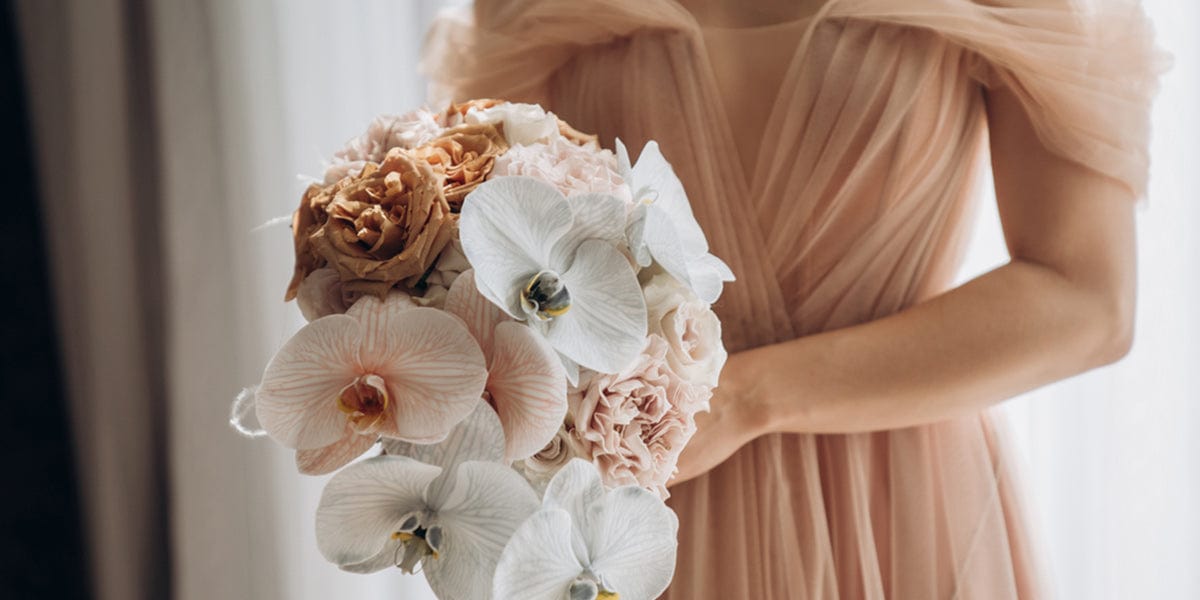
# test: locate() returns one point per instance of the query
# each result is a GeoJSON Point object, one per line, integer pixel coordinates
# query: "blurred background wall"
{"type": "Point", "coordinates": [164, 132]}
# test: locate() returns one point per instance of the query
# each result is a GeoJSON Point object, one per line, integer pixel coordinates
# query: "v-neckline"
{"type": "Point", "coordinates": [750, 178]}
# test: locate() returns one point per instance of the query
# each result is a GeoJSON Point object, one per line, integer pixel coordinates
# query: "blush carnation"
{"type": "Point", "coordinates": [633, 425]}
{"type": "Point", "coordinates": [409, 130]}
{"type": "Point", "coordinates": [571, 168]}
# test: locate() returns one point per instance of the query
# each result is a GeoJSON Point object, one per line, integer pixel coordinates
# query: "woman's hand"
{"type": "Point", "coordinates": [735, 418]}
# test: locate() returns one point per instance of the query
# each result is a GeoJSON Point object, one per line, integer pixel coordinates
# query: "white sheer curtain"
{"type": "Point", "coordinates": [1112, 457]}
{"type": "Point", "coordinates": [291, 81]}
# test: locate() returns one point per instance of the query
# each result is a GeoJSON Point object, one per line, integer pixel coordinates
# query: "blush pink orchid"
{"type": "Point", "coordinates": [385, 368]}
{"type": "Point", "coordinates": [526, 382]}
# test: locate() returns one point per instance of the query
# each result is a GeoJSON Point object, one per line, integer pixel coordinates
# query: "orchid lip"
{"type": "Point", "coordinates": [546, 296]}
{"type": "Point", "coordinates": [416, 542]}
{"type": "Point", "coordinates": [647, 196]}
{"type": "Point", "coordinates": [587, 588]}
{"type": "Point", "coordinates": [364, 401]}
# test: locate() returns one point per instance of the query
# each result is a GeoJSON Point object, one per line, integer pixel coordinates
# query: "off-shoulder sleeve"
{"type": "Point", "coordinates": [1085, 71]}
{"type": "Point", "coordinates": [509, 48]}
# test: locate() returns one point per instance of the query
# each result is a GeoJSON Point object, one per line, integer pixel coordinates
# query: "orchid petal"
{"type": "Point", "coordinates": [624, 166]}
{"type": "Point", "coordinates": [574, 489]}
{"type": "Point", "coordinates": [297, 401]}
{"type": "Point", "coordinates": [478, 437]}
{"type": "Point", "coordinates": [320, 461]}
{"type": "Point", "coordinates": [464, 301]}
{"type": "Point", "coordinates": [706, 276]}
{"type": "Point", "coordinates": [571, 368]}
{"type": "Point", "coordinates": [376, 317]}
{"type": "Point", "coordinates": [434, 369]}
{"type": "Point", "coordinates": [632, 542]}
{"type": "Point", "coordinates": [364, 503]}
{"type": "Point", "coordinates": [596, 217]}
{"type": "Point", "coordinates": [663, 243]}
{"type": "Point", "coordinates": [483, 508]}
{"type": "Point", "coordinates": [538, 563]}
{"type": "Point", "coordinates": [527, 383]}
{"type": "Point", "coordinates": [387, 557]}
{"type": "Point", "coordinates": [605, 328]}
{"type": "Point", "coordinates": [653, 171]}
{"type": "Point", "coordinates": [507, 227]}
{"type": "Point", "coordinates": [635, 233]}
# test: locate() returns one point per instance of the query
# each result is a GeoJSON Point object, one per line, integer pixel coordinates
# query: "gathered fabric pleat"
{"type": "Point", "coordinates": [852, 203]}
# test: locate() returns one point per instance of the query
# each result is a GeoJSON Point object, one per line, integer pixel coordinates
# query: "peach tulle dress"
{"type": "Point", "coordinates": [840, 189]}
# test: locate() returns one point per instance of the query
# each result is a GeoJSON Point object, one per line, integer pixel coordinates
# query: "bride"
{"type": "Point", "coordinates": [833, 151]}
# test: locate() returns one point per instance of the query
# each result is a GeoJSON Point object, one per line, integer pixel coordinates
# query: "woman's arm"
{"type": "Point", "coordinates": [1064, 304]}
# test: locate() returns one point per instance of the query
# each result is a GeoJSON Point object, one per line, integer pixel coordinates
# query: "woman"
{"type": "Point", "coordinates": [832, 152]}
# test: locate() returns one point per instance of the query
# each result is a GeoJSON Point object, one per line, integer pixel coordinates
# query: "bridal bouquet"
{"type": "Point", "coordinates": [521, 321]}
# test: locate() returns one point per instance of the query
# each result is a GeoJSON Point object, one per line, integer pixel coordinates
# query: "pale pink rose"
{"type": "Point", "coordinates": [321, 294]}
{"type": "Point", "coordinates": [571, 168]}
{"type": "Point", "coordinates": [633, 425]}
{"type": "Point", "coordinates": [691, 329]}
{"type": "Point", "coordinates": [542, 466]}
{"type": "Point", "coordinates": [385, 132]}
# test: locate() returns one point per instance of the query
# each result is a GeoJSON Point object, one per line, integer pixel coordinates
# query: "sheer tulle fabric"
{"type": "Point", "coordinates": [852, 201]}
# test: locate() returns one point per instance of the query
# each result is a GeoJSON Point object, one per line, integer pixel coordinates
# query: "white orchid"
{"type": "Point", "coordinates": [554, 263]}
{"type": "Point", "coordinates": [449, 507]}
{"type": "Point", "coordinates": [587, 543]}
{"type": "Point", "coordinates": [662, 227]}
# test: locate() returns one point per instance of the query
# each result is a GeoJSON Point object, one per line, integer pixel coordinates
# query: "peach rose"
{"type": "Point", "coordinates": [385, 132]}
{"type": "Point", "coordinates": [578, 137]}
{"type": "Point", "coordinates": [381, 227]}
{"type": "Point", "coordinates": [572, 169]}
{"type": "Point", "coordinates": [633, 425]}
{"type": "Point", "coordinates": [542, 466]}
{"type": "Point", "coordinates": [465, 154]}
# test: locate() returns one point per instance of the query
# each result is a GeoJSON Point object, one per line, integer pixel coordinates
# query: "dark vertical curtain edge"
{"type": "Point", "coordinates": [120, 451]}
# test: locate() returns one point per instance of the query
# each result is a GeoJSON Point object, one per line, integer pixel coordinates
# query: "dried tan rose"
{"type": "Point", "coordinates": [456, 113]}
{"type": "Point", "coordinates": [465, 155]}
{"type": "Point", "coordinates": [578, 137]}
{"type": "Point", "coordinates": [383, 226]}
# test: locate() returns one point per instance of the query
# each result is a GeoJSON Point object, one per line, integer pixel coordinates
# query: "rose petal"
{"type": "Point", "coordinates": [320, 294]}
{"type": "Point", "coordinates": [297, 401]}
